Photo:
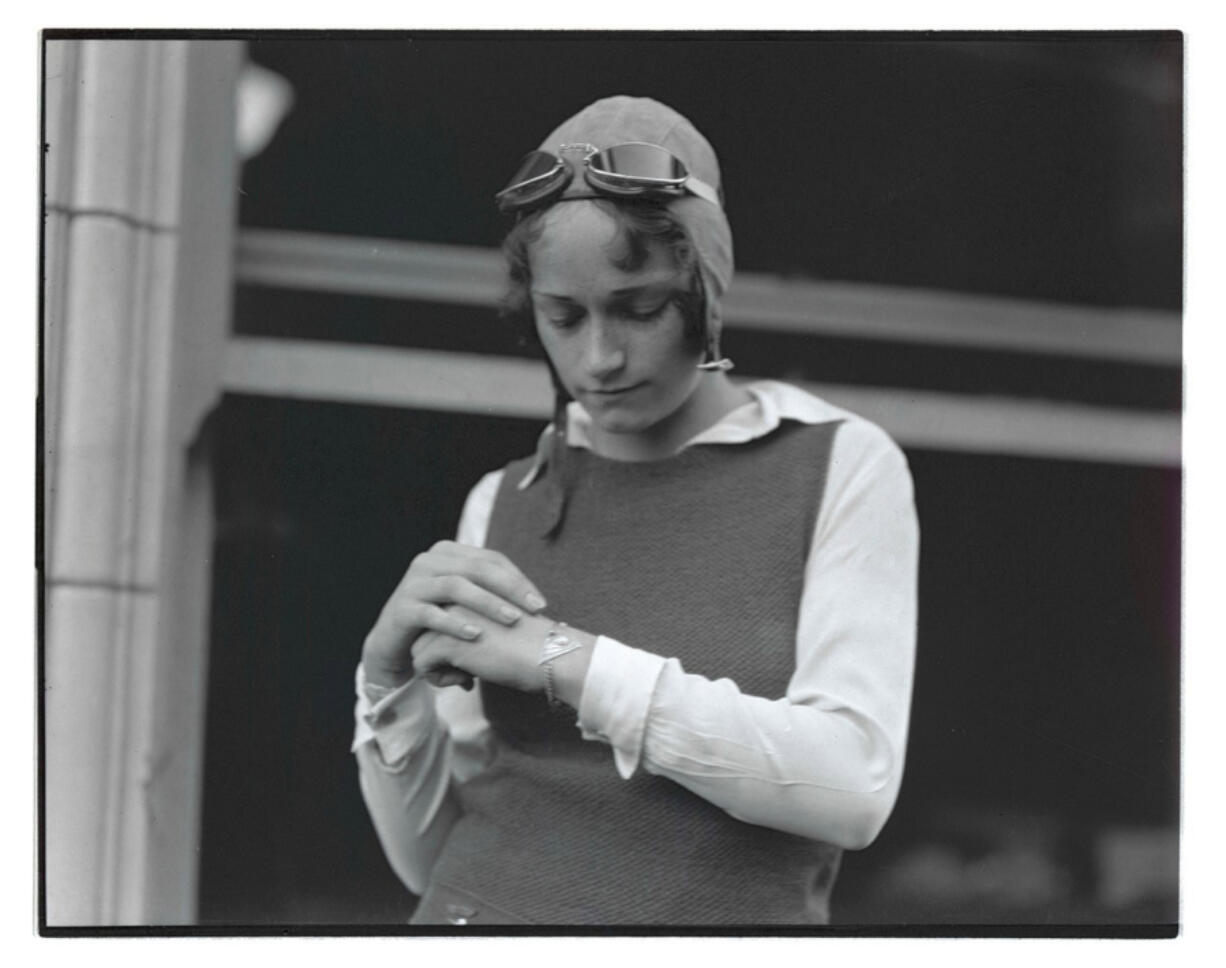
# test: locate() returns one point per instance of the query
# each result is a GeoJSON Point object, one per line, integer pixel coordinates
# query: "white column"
{"type": "Point", "coordinates": [141, 182]}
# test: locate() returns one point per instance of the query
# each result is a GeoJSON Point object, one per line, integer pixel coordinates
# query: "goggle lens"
{"type": "Point", "coordinates": [638, 161]}
{"type": "Point", "coordinates": [538, 175]}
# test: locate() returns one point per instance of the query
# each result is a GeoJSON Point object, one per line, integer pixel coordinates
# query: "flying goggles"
{"type": "Point", "coordinates": [635, 169]}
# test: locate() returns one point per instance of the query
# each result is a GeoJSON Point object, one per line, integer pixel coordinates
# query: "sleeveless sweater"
{"type": "Point", "coordinates": [701, 557]}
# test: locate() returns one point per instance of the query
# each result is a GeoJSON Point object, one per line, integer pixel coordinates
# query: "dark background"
{"type": "Point", "coordinates": [1046, 712]}
{"type": "Point", "coordinates": [1041, 168]}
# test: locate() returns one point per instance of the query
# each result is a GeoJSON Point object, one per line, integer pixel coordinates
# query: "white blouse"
{"type": "Point", "coordinates": [824, 762]}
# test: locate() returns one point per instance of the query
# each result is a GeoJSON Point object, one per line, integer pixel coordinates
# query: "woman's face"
{"type": "Point", "coordinates": [616, 338]}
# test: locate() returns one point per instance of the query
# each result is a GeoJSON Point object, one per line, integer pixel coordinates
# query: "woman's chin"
{"type": "Point", "coordinates": [622, 423]}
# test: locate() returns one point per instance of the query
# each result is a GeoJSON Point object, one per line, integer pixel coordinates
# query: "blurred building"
{"type": "Point", "coordinates": [272, 369]}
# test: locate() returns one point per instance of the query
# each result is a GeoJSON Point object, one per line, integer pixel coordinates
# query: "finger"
{"type": "Point", "coordinates": [458, 590]}
{"type": "Point", "coordinates": [443, 676]}
{"type": "Point", "coordinates": [433, 655]}
{"type": "Point", "coordinates": [487, 569]}
{"type": "Point", "coordinates": [496, 574]}
{"type": "Point", "coordinates": [429, 617]}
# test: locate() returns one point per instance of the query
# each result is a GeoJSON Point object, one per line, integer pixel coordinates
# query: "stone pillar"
{"type": "Point", "coordinates": [141, 182]}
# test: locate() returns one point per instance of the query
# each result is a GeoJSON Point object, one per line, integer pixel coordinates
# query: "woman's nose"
{"type": "Point", "coordinates": [605, 352]}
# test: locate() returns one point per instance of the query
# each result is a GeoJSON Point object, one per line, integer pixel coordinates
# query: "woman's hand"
{"type": "Point", "coordinates": [454, 589]}
{"type": "Point", "coordinates": [508, 656]}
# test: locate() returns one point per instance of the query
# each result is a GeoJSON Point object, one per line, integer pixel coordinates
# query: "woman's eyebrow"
{"type": "Point", "coordinates": [536, 293]}
{"type": "Point", "coordinates": [661, 286]}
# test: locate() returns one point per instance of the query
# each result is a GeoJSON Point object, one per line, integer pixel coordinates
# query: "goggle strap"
{"type": "Point", "coordinates": [704, 191]}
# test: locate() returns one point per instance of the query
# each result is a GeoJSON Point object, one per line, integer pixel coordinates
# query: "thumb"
{"type": "Point", "coordinates": [449, 675]}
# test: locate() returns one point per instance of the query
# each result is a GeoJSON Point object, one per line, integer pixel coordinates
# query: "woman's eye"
{"type": "Point", "coordinates": [647, 313]}
{"type": "Point", "coordinates": [563, 320]}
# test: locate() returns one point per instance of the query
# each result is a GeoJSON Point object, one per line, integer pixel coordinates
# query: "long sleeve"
{"type": "Point", "coordinates": [416, 743]}
{"type": "Point", "coordinates": [825, 761]}
{"type": "Point", "coordinates": [409, 797]}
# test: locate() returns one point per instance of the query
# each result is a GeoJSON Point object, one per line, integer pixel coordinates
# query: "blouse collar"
{"type": "Point", "coordinates": [772, 403]}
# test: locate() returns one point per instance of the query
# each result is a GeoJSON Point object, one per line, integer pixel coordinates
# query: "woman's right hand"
{"type": "Point", "coordinates": [484, 581]}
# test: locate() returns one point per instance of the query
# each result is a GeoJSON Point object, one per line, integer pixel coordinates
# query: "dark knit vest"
{"type": "Point", "coordinates": [701, 557]}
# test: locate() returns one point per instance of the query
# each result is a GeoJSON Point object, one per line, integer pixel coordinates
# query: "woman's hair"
{"type": "Point", "coordinates": [640, 224]}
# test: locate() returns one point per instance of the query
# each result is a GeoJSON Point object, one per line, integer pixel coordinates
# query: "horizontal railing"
{"type": "Point", "coordinates": [473, 276]}
{"type": "Point", "coordinates": [510, 387]}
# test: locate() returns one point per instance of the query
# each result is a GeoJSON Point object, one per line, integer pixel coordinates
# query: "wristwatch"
{"type": "Point", "coordinates": [557, 644]}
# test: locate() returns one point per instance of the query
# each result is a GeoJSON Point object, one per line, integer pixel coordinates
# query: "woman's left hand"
{"type": "Point", "coordinates": [507, 655]}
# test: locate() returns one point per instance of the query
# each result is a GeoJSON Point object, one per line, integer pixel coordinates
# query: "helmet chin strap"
{"type": "Point", "coordinates": [557, 472]}
{"type": "Point", "coordinates": [712, 360]}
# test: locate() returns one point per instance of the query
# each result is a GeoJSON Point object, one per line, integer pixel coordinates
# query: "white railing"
{"type": "Point", "coordinates": [432, 272]}
{"type": "Point", "coordinates": [509, 387]}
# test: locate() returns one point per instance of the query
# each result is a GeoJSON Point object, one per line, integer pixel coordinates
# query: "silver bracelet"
{"type": "Point", "coordinates": [557, 644]}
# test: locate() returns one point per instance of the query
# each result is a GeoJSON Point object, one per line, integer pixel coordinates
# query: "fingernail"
{"type": "Point", "coordinates": [509, 614]}
{"type": "Point", "coordinates": [470, 631]}
{"type": "Point", "coordinates": [535, 602]}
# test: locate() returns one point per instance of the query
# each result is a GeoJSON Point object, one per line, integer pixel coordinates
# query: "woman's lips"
{"type": "Point", "coordinates": [610, 392]}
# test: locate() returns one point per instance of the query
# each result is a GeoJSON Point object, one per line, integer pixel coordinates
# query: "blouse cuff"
{"type": "Point", "coordinates": [616, 698]}
{"type": "Point", "coordinates": [398, 723]}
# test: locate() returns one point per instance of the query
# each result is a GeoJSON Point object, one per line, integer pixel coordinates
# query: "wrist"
{"type": "Point", "coordinates": [568, 672]}
{"type": "Point", "coordinates": [380, 672]}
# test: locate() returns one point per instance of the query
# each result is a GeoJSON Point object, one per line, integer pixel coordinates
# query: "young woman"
{"type": "Point", "coordinates": [691, 613]}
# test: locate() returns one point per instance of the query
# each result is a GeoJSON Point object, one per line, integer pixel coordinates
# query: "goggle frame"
{"type": "Point", "coordinates": [602, 180]}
